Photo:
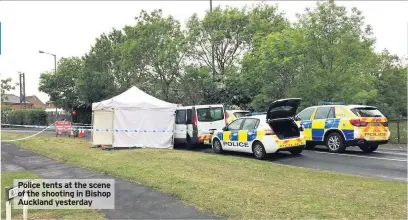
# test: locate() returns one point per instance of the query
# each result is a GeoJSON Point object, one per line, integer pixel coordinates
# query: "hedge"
{"type": "Point", "coordinates": [25, 117]}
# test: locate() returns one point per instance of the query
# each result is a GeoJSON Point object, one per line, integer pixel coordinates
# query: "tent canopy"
{"type": "Point", "coordinates": [133, 110]}
{"type": "Point", "coordinates": [132, 98]}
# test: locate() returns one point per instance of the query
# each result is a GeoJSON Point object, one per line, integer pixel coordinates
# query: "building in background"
{"type": "Point", "coordinates": [37, 103]}
{"type": "Point", "coordinates": [50, 109]}
{"type": "Point", "coordinates": [13, 102]}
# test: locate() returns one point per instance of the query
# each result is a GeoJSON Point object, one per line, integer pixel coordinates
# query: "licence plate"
{"type": "Point", "coordinates": [289, 145]}
{"type": "Point", "coordinates": [207, 141]}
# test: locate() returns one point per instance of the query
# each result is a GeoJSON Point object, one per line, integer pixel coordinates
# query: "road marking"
{"type": "Point", "coordinates": [350, 155]}
{"type": "Point", "coordinates": [391, 153]}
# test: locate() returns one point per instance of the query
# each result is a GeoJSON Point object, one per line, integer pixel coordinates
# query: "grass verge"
{"type": "Point", "coordinates": [7, 179]}
{"type": "Point", "coordinates": [236, 187]}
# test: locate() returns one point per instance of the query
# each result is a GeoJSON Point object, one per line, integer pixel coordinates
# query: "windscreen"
{"type": "Point", "coordinates": [210, 114]}
{"type": "Point", "coordinates": [240, 114]}
{"type": "Point", "coordinates": [367, 112]}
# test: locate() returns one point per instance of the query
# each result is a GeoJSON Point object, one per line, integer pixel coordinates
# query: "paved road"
{"type": "Point", "coordinates": [132, 201]}
{"type": "Point", "coordinates": [388, 162]}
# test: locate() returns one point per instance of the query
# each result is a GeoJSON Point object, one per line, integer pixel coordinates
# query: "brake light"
{"type": "Point", "coordinates": [358, 123]}
{"type": "Point", "coordinates": [269, 132]}
{"type": "Point", "coordinates": [226, 116]}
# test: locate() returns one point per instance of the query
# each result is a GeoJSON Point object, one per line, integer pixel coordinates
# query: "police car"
{"type": "Point", "coordinates": [340, 126]}
{"type": "Point", "coordinates": [263, 134]}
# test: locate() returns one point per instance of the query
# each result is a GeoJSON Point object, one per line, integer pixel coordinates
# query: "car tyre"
{"type": "Point", "coordinates": [259, 151]}
{"type": "Point", "coordinates": [217, 147]}
{"type": "Point", "coordinates": [335, 143]}
{"type": "Point", "coordinates": [368, 148]}
{"type": "Point", "coordinates": [296, 151]}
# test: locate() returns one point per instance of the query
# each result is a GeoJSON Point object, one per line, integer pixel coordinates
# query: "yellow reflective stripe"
{"type": "Point", "coordinates": [226, 136]}
{"type": "Point", "coordinates": [242, 135]}
{"type": "Point", "coordinates": [260, 134]}
{"type": "Point", "coordinates": [318, 124]}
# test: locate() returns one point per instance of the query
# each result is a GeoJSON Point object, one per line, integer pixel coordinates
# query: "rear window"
{"type": "Point", "coordinates": [367, 112]}
{"type": "Point", "coordinates": [240, 114]}
{"type": "Point", "coordinates": [210, 114]}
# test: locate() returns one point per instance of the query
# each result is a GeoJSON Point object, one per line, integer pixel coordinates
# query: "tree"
{"type": "Point", "coordinates": [338, 49]}
{"type": "Point", "coordinates": [6, 86]}
{"type": "Point", "coordinates": [274, 66]}
{"type": "Point", "coordinates": [391, 84]}
{"type": "Point", "coordinates": [62, 85]}
{"type": "Point", "coordinates": [156, 47]}
{"type": "Point", "coordinates": [226, 29]}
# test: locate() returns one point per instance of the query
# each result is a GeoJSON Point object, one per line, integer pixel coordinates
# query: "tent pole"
{"type": "Point", "coordinates": [113, 133]}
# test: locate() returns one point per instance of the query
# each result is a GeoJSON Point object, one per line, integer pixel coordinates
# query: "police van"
{"type": "Point", "coordinates": [263, 134]}
{"type": "Point", "coordinates": [194, 123]}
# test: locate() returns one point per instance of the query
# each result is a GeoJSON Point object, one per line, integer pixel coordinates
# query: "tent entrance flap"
{"type": "Point", "coordinates": [154, 128]}
{"type": "Point", "coordinates": [102, 120]}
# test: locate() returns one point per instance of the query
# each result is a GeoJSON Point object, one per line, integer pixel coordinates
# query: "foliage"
{"type": "Point", "coordinates": [6, 86]}
{"type": "Point", "coordinates": [26, 117]}
{"type": "Point", "coordinates": [326, 55]}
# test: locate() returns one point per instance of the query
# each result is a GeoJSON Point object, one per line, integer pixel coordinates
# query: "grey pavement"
{"type": "Point", "coordinates": [132, 201]}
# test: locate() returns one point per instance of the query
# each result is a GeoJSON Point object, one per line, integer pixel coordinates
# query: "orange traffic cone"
{"type": "Point", "coordinates": [72, 133]}
{"type": "Point", "coordinates": [81, 133]}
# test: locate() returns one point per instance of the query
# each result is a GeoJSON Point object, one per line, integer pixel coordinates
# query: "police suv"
{"type": "Point", "coordinates": [339, 126]}
{"type": "Point", "coordinates": [263, 134]}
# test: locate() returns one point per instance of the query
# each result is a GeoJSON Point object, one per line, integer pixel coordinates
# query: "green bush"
{"type": "Point", "coordinates": [28, 117]}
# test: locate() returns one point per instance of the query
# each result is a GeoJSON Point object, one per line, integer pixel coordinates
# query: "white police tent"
{"type": "Point", "coordinates": [133, 119]}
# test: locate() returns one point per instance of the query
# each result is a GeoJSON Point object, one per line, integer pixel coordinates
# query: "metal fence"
{"type": "Point", "coordinates": [398, 129]}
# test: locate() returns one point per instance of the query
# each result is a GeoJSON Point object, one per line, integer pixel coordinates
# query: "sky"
{"type": "Point", "coordinates": [69, 28]}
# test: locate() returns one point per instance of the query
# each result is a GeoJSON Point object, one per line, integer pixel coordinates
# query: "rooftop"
{"type": "Point", "coordinates": [13, 99]}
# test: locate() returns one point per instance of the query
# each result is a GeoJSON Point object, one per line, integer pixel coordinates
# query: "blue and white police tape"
{"type": "Point", "coordinates": [83, 128]}
{"type": "Point", "coordinates": [40, 126]}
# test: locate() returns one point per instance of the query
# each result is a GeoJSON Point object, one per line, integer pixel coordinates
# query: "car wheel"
{"type": "Point", "coordinates": [368, 148]}
{"type": "Point", "coordinates": [335, 143]}
{"type": "Point", "coordinates": [259, 151]}
{"type": "Point", "coordinates": [216, 145]}
{"type": "Point", "coordinates": [309, 146]}
{"type": "Point", "coordinates": [296, 151]}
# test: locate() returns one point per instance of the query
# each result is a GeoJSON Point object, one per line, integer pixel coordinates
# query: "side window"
{"type": "Point", "coordinates": [250, 123]}
{"type": "Point", "coordinates": [322, 112]}
{"type": "Point", "coordinates": [189, 116]}
{"type": "Point", "coordinates": [331, 113]}
{"type": "Point", "coordinates": [235, 125]}
{"type": "Point", "coordinates": [181, 116]}
{"type": "Point", "coordinates": [306, 114]}
{"type": "Point", "coordinates": [210, 114]}
{"type": "Point", "coordinates": [339, 113]}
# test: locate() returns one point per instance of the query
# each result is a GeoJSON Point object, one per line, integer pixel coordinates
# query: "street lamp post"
{"type": "Point", "coordinates": [55, 72]}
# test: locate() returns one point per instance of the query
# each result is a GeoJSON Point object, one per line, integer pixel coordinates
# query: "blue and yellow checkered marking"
{"type": "Point", "coordinates": [251, 134]}
{"type": "Point", "coordinates": [239, 135]}
{"type": "Point", "coordinates": [348, 134]}
{"type": "Point", "coordinates": [306, 124]}
{"type": "Point", "coordinates": [317, 128]}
